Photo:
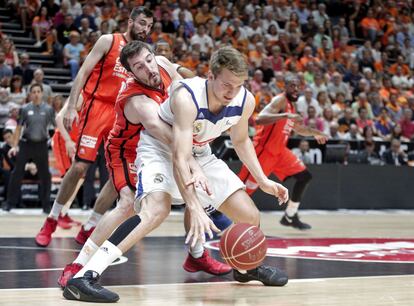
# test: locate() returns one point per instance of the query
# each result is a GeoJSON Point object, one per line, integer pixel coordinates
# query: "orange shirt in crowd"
{"type": "Point", "coordinates": [393, 69]}
{"type": "Point", "coordinates": [370, 23]}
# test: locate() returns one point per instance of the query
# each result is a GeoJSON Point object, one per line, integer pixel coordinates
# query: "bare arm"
{"type": "Point", "coordinates": [16, 137]}
{"type": "Point", "coordinates": [300, 129]}
{"type": "Point", "coordinates": [98, 51]}
{"type": "Point", "coordinates": [247, 154]}
{"type": "Point", "coordinates": [185, 113]}
{"type": "Point", "coordinates": [271, 113]}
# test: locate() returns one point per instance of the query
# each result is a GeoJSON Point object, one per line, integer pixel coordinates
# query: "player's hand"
{"type": "Point", "coordinates": [70, 115]}
{"type": "Point", "coordinates": [321, 139]}
{"type": "Point", "coordinates": [295, 117]}
{"type": "Point", "coordinates": [70, 148]}
{"type": "Point", "coordinates": [13, 152]}
{"type": "Point", "coordinates": [200, 180]}
{"type": "Point", "coordinates": [200, 224]}
{"type": "Point", "coordinates": [278, 190]}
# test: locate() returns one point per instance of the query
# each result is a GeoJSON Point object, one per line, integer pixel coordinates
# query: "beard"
{"type": "Point", "coordinates": [138, 36]}
{"type": "Point", "coordinates": [291, 98]}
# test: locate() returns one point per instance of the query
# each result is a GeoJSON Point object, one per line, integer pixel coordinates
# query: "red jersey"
{"type": "Point", "coordinates": [274, 137]}
{"type": "Point", "coordinates": [125, 134]}
{"type": "Point", "coordinates": [108, 74]}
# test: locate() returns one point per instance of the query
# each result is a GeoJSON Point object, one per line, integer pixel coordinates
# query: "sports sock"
{"type": "Point", "coordinates": [197, 251]}
{"type": "Point", "coordinates": [292, 208]}
{"type": "Point", "coordinates": [88, 250]}
{"type": "Point", "coordinates": [55, 211]}
{"type": "Point", "coordinates": [101, 260]}
{"type": "Point", "coordinates": [92, 221]}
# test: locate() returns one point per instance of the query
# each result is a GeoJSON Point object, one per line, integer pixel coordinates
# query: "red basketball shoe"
{"type": "Point", "coordinates": [83, 235]}
{"type": "Point", "coordinates": [205, 263]}
{"type": "Point", "coordinates": [44, 237]}
{"type": "Point", "coordinates": [68, 273]}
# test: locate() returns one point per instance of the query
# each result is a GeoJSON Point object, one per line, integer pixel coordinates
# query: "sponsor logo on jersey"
{"type": "Point", "coordinates": [340, 249]}
{"type": "Point", "coordinates": [88, 141]}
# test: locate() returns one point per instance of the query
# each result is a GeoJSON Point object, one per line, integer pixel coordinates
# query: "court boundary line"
{"type": "Point", "coordinates": [306, 280]}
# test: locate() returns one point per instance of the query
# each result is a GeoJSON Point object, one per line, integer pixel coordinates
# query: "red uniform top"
{"type": "Point", "coordinates": [125, 134]}
{"type": "Point", "coordinates": [108, 74]}
{"type": "Point", "coordinates": [274, 137]}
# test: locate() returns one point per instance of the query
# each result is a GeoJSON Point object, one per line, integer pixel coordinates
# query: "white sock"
{"type": "Point", "coordinates": [197, 251]}
{"type": "Point", "coordinates": [101, 260]}
{"type": "Point", "coordinates": [88, 250]}
{"type": "Point", "coordinates": [292, 208]}
{"type": "Point", "coordinates": [56, 210]}
{"type": "Point", "coordinates": [92, 221]}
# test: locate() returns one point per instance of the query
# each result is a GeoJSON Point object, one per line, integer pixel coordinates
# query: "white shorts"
{"type": "Point", "coordinates": [155, 173]}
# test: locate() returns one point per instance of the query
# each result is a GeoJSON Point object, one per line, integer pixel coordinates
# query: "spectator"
{"type": "Point", "coordinates": [407, 124]}
{"type": "Point", "coordinates": [186, 27]}
{"type": "Point", "coordinates": [266, 68]}
{"type": "Point", "coordinates": [86, 13]}
{"type": "Point", "coordinates": [394, 109]}
{"type": "Point", "coordinates": [395, 155]}
{"type": "Point", "coordinates": [202, 39]}
{"type": "Point", "coordinates": [353, 76]}
{"type": "Point", "coordinates": [362, 120]}
{"type": "Point", "coordinates": [72, 53]}
{"type": "Point", "coordinates": [337, 85]}
{"type": "Point", "coordinates": [51, 7]}
{"type": "Point", "coordinates": [5, 70]}
{"type": "Point", "coordinates": [370, 26]}
{"type": "Point", "coordinates": [305, 101]}
{"type": "Point", "coordinates": [42, 26]}
{"type": "Point", "coordinates": [10, 53]}
{"type": "Point", "coordinates": [35, 117]}
{"type": "Point", "coordinates": [24, 69]}
{"type": "Point", "coordinates": [203, 15]}
{"type": "Point", "coordinates": [334, 133]}
{"type": "Point", "coordinates": [6, 162]}
{"type": "Point", "coordinates": [106, 16]}
{"type": "Point", "coordinates": [362, 102]}
{"type": "Point", "coordinates": [384, 125]}
{"type": "Point", "coordinates": [346, 121]}
{"type": "Point", "coordinates": [75, 8]}
{"type": "Point", "coordinates": [47, 92]}
{"type": "Point", "coordinates": [167, 24]}
{"type": "Point", "coordinates": [65, 29]}
{"type": "Point", "coordinates": [84, 31]}
{"type": "Point", "coordinates": [327, 119]}
{"type": "Point", "coordinates": [310, 29]}
{"type": "Point", "coordinates": [303, 152]}
{"type": "Point", "coordinates": [368, 155]}
{"type": "Point", "coordinates": [320, 14]}
{"type": "Point", "coordinates": [17, 92]}
{"type": "Point", "coordinates": [5, 106]}
{"type": "Point", "coordinates": [339, 105]}
{"type": "Point", "coordinates": [11, 122]}
{"type": "Point", "coordinates": [182, 8]}
{"type": "Point", "coordinates": [256, 83]}
{"type": "Point", "coordinates": [59, 18]}
{"type": "Point", "coordinates": [352, 133]}
{"type": "Point", "coordinates": [317, 123]}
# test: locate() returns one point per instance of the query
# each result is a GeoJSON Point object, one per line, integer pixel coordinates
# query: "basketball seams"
{"type": "Point", "coordinates": [247, 251]}
{"type": "Point", "coordinates": [239, 238]}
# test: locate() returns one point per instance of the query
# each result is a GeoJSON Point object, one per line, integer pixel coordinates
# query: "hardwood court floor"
{"type": "Point", "coordinates": [153, 274]}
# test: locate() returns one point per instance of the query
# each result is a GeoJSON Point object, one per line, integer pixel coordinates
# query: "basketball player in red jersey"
{"type": "Point", "coordinates": [136, 107]}
{"type": "Point", "coordinates": [99, 79]}
{"type": "Point", "coordinates": [278, 119]}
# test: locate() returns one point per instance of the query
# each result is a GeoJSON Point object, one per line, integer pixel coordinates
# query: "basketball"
{"type": "Point", "coordinates": [243, 246]}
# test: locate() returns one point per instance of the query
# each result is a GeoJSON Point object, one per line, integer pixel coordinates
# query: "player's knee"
{"type": "Point", "coordinates": [125, 208]}
{"type": "Point", "coordinates": [252, 217]}
{"type": "Point", "coordinates": [305, 176]}
{"type": "Point", "coordinates": [79, 168]}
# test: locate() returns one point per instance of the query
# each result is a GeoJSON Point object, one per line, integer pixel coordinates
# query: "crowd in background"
{"type": "Point", "coordinates": [354, 58]}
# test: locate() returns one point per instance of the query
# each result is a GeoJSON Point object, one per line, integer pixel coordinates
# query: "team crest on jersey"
{"type": "Point", "coordinates": [340, 249]}
{"type": "Point", "coordinates": [158, 178]}
{"type": "Point", "coordinates": [197, 126]}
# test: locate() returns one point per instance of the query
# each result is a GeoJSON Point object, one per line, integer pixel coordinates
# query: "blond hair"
{"type": "Point", "coordinates": [228, 58]}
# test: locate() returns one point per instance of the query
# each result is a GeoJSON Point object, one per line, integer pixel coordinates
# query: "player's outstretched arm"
{"type": "Point", "coordinates": [247, 154]}
{"type": "Point", "coordinates": [272, 112]}
{"type": "Point", "coordinates": [185, 113]}
{"type": "Point", "coordinates": [302, 130]}
{"type": "Point", "coordinates": [100, 48]}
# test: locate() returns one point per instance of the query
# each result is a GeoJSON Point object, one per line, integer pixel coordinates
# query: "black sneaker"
{"type": "Point", "coordinates": [294, 222]}
{"type": "Point", "coordinates": [269, 276]}
{"type": "Point", "coordinates": [87, 289]}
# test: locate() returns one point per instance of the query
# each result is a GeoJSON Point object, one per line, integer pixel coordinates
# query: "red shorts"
{"type": "Point", "coordinates": [62, 160]}
{"type": "Point", "coordinates": [282, 164]}
{"type": "Point", "coordinates": [121, 167]}
{"type": "Point", "coordinates": [95, 123]}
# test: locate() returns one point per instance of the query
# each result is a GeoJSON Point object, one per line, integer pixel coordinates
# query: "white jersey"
{"type": "Point", "coordinates": [207, 126]}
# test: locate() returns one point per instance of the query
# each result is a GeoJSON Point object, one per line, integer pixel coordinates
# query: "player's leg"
{"type": "Point", "coordinates": [289, 165]}
{"type": "Point", "coordinates": [105, 227]}
{"type": "Point", "coordinates": [107, 196]}
{"type": "Point", "coordinates": [241, 209]}
{"type": "Point", "coordinates": [198, 258]}
{"type": "Point", "coordinates": [67, 188]}
{"type": "Point", "coordinates": [155, 207]}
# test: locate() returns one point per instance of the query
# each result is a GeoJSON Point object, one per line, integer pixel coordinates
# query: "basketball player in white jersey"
{"type": "Point", "coordinates": [199, 111]}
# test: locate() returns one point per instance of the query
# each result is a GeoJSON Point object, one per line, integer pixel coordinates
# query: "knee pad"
{"type": "Point", "coordinates": [124, 229]}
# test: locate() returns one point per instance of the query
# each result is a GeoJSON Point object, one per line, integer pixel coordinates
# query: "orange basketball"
{"type": "Point", "coordinates": [243, 246]}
